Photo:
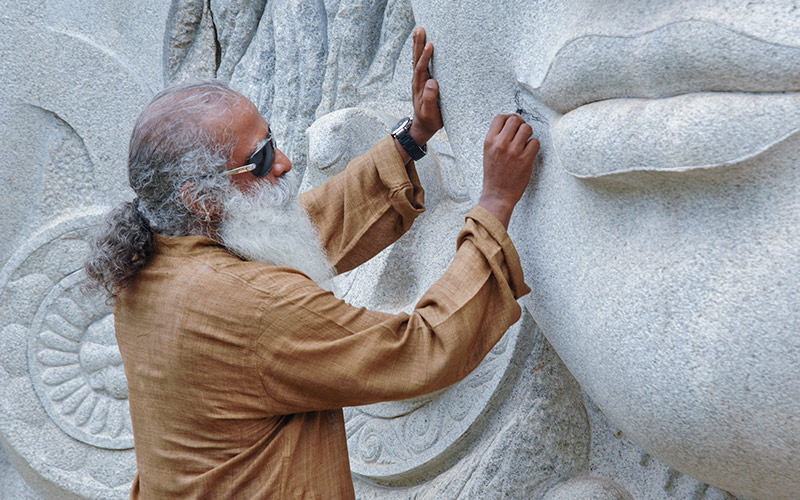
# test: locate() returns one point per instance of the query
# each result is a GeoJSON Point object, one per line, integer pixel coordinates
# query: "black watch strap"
{"type": "Point", "coordinates": [401, 133]}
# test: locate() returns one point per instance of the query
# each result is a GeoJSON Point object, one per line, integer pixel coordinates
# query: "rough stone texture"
{"type": "Point", "coordinates": [660, 240]}
{"type": "Point", "coordinates": [670, 295]}
{"type": "Point", "coordinates": [613, 456]}
{"type": "Point", "coordinates": [531, 437]}
{"type": "Point", "coordinates": [73, 78]}
{"type": "Point", "coordinates": [190, 42]}
{"type": "Point", "coordinates": [588, 487]}
{"type": "Point", "coordinates": [283, 68]}
{"type": "Point", "coordinates": [235, 22]}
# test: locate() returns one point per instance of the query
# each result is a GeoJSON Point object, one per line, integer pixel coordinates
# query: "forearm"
{"type": "Point", "coordinates": [365, 208]}
{"type": "Point", "coordinates": [330, 354]}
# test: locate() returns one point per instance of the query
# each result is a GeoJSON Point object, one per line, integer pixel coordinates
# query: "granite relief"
{"type": "Point", "coordinates": [658, 356]}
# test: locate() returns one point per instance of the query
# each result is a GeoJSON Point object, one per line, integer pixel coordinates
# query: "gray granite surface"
{"type": "Point", "coordinates": [658, 357]}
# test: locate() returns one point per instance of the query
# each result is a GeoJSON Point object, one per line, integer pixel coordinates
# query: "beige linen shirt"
{"type": "Point", "coordinates": [237, 371]}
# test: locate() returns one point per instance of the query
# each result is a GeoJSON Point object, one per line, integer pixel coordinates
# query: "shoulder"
{"type": "Point", "coordinates": [208, 264]}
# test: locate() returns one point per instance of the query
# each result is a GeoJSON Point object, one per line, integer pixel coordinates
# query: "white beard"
{"type": "Point", "coordinates": [270, 226]}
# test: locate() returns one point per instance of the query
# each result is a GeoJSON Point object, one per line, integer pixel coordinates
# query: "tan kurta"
{"type": "Point", "coordinates": [237, 371]}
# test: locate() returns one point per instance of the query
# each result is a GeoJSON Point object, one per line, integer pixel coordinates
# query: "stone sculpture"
{"type": "Point", "coordinates": [660, 240]}
{"type": "Point", "coordinates": [662, 237]}
{"type": "Point", "coordinates": [71, 85]}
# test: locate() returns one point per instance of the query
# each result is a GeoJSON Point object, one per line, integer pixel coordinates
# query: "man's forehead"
{"type": "Point", "coordinates": [226, 115]}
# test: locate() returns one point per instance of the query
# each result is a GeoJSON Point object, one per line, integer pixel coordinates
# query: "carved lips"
{"type": "Point", "coordinates": [689, 94]}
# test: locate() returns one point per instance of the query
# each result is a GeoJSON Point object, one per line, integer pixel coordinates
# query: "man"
{"type": "Point", "coordinates": [238, 361]}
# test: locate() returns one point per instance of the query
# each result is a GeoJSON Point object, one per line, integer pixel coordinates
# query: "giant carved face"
{"type": "Point", "coordinates": [662, 236]}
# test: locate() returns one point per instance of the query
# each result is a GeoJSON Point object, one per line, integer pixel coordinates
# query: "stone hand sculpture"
{"type": "Point", "coordinates": [662, 239]}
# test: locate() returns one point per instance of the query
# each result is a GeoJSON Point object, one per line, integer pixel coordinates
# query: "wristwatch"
{"type": "Point", "coordinates": [400, 132]}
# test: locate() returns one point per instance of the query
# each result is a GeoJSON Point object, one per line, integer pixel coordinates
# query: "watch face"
{"type": "Point", "coordinates": [402, 126]}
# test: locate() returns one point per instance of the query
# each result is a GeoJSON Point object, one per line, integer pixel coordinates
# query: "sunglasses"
{"type": "Point", "coordinates": [260, 162]}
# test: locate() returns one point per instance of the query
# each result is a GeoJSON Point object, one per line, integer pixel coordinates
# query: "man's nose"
{"type": "Point", "coordinates": [281, 164]}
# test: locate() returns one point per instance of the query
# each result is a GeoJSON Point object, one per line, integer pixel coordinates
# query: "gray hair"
{"type": "Point", "coordinates": [179, 141]}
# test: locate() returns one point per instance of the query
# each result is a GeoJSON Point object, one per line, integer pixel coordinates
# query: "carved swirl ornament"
{"type": "Point", "coordinates": [73, 361]}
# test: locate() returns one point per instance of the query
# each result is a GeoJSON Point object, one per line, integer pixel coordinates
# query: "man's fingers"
{"type": "Point", "coordinates": [419, 43]}
{"type": "Point", "coordinates": [430, 98]}
{"type": "Point", "coordinates": [421, 73]}
{"type": "Point", "coordinates": [497, 125]}
{"type": "Point", "coordinates": [416, 50]}
{"type": "Point", "coordinates": [510, 127]}
{"type": "Point", "coordinates": [531, 148]}
{"type": "Point", "coordinates": [523, 134]}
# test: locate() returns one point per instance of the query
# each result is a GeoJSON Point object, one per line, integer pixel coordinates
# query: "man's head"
{"type": "Point", "coordinates": [181, 146]}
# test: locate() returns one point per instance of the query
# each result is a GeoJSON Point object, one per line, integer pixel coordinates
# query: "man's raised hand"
{"type": "Point", "coordinates": [424, 91]}
{"type": "Point", "coordinates": [509, 152]}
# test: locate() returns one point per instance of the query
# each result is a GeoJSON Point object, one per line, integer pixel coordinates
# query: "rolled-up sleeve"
{"type": "Point", "coordinates": [317, 352]}
{"type": "Point", "coordinates": [366, 207]}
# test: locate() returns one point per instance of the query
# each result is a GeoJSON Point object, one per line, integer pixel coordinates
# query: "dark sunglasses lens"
{"type": "Point", "coordinates": [263, 159]}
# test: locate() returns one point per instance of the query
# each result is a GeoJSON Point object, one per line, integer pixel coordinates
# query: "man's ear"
{"type": "Point", "coordinates": [203, 210]}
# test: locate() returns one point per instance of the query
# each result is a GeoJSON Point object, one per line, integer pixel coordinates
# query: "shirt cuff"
{"type": "Point", "coordinates": [405, 190]}
{"type": "Point", "coordinates": [498, 233]}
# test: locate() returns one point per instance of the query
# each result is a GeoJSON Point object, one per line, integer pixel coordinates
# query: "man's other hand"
{"type": "Point", "coordinates": [509, 152]}
{"type": "Point", "coordinates": [425, 91]}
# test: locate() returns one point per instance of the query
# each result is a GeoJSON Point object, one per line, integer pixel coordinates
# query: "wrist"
{"type": "Point", "coordinates": [410, 144]}
{"type": "Point", "coordinates": [419, 134]}
{"type": "Point", "coordinates": [498, 207]}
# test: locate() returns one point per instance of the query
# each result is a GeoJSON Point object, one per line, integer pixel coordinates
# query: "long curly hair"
{"type": "Point", "coordinates": [179, 142]}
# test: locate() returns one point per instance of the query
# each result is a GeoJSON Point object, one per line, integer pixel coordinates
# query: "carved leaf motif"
{"type": "Point", "coordinates": [98, 419]}
{"type": "Point", "coordinates": [58, 342]}
{"type": "Point", "coordinates": [65, 389]}
{"type": "Point", "coordinates": [85, 410]}
{"type": "Point", "coordinates": [59, 375]}
{"type": "Point", "coordinates": [63, 327]}
{"type": "Point", "coordinates": [57, 358]}
{"type": "Point", "coordinates": [73, 401]}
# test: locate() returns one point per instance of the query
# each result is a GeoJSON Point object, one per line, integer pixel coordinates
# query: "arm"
{"type": "Point", "coordinates": [317, 352]}
{"type": "Point", "coordinates": [363, 210]}
{"type": "Point", "coordinates": [367, 207]}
